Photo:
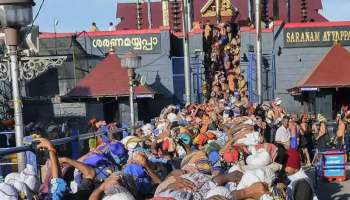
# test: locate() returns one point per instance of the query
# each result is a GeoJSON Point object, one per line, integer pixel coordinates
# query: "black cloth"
{"type": "Point", "coordinates": [85, 189]}
{"type": "Point", "coordinates": [303, 141]}
{"type": "Point", "coordinates": [303, 190]}
{"type": "Point", "coordinates": [3, 141]}
{"type": "Point", "coordinates": [322, 142]}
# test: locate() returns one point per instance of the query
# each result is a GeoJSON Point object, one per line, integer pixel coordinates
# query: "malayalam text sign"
{"type": "Point", "coordinates": [140, 44]}
{"type": "Point", "coordinates": [316, 36]}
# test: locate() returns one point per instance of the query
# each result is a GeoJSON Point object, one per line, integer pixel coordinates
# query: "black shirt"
{"type": "Point", "coordinates": [303, 190]}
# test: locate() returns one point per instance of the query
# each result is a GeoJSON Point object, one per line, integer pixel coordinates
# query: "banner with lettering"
{"type": "Point", "coordinates": [140, 44]}
{"type": "Point", "coordinates": [316, 36]}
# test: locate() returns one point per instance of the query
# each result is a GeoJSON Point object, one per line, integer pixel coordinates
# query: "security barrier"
{"type": "Point", "coordinates": [8, 159]}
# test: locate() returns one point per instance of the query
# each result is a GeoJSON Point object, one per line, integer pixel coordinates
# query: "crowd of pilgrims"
{"type": "Point", "coordinates": [225, 148]}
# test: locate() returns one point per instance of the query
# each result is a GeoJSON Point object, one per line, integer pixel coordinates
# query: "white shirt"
{"type": "Point", "coordinates": [282, 135]}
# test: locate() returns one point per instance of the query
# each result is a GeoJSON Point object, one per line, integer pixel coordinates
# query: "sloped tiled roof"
{"type": "Point", "coordinates": [107, 79]}
{"type": "Point", "coordinates": [332, 72]}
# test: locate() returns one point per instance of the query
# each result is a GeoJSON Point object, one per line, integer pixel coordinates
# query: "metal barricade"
{"type": "Point", "coordinates": [8, 157]}
{"type": "Point", "coordinates": [330, 164]}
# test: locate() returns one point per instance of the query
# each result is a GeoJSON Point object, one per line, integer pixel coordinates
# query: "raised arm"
{"type": "Point", "coordinates": [47, 145]}
{"type": "Point", "coordinates": [88, 172]}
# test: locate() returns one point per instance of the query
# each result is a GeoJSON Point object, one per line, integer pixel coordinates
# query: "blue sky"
{"type": "Point", "coordinates": [77, 15]}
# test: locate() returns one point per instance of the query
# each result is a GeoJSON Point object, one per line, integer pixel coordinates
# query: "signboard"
{"type": "Point", "coordinates": [69, 109]}
{"type": "Point", "coordinates": [309, 89]}
{"type": "Point", "coordinates": [334, 165]}
{"type": "Point", "coordinates": [316, 36]}
{"type": "Point", "coordinates": [140, 44]}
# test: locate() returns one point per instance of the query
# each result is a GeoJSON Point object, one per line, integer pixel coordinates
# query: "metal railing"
{"type": "Point", "coordinates": [60, 141]}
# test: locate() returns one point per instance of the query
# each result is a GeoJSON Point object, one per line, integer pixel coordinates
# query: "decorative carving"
{"type": "Point", "coordinates": [31, 67]}
{"type": "Point", "coordinates": [226, 9]}
{"type": "Point", "coordinates": [4, 71]}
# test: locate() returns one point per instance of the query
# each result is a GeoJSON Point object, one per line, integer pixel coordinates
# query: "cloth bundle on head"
{"type": "Point", "coordinates": [117, 192]}
{"type": "Point", "coordinates": [168, 145]}
{"type": "Point", "coordinates": [221, 138]}
{"type": "Point", "coordinates": [293, 159]}
{"type": "Point", "coordinates": [212, 146]}
{"type": "Point", "coordinates": [8, 192]}
{"type": "Point", "coordinates": [186, 138]}
{"type": "Point", "coordinates": [29, 177]}
{"type": "Point", "coordinates": [211, 135]}
{"type": "Point", "coordinates": [214, 157]}
{"type": "Point", "coordinates": [235, 167]}
{"type": "Point", "coordinates": [16, 181]}
{"type": "Point", "coordinates": [201, 139]}
{"type": "Point", "coordinates": [142, 181]}
{"type": "Point", "coordinates": [249, 139]}
{"type": "Point", "coordinates": [249, 122]}
{"type": "Point", "coordinates": [278, 101]}
{"type": "Point", "coordinates": [321, 118]}
{"type": "Point", "coordinates": [231, 155]}
{"type": "Point", "coordinates": [250, 177]}
{"type": "Point", "coordinates": [147, 129]}
{"type": "Point", "coordinates": [13, 177]}
{"type": "Point", "coordinates": [184, 130]}
{"type": "Point", "coordinates": [172, 117]}
{"type": "Point", "coordinates": [139, 157]}
{"type": "Point", "coordinates": [196, 162]}
{"type": "Point", "coordinates": [117, 148]}
{"type": "Point", "coordinates": [118, 152]}
{"type": "Point", "coordinates": [131, 142]}
{"type": "Point", "coordinates": [161, 126]}
{"type": "Point", "coordinates": [271, 148]}
{"type": "Point", "coordinates": [119, 196]}
{"type": "Point", "coordinates": [220, 191]}
{"type": "Point", "coordinates": [22, 189]}
{"type": "Point", "coordinates": [258, 159]}
{"type": "Point", "coordinates": [236, 111]}
{"type": "Point", "coordinates": [95, 159]}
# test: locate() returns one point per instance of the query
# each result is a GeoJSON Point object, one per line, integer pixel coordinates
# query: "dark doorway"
{"type": "Point", "coordinates": [110, 110]}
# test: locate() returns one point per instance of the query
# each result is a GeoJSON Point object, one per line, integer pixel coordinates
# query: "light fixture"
{"type": "Point", "coordinates": [16, 13]}
{"type": "Point", "coordinates": [131, 61]}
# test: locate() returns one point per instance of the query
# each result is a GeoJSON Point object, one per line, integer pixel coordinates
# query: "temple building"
{"type": "Point", "coordinates": [299, 47]}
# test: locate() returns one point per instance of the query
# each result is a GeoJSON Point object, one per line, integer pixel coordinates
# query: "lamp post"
{"type": "Point", "coordinates": [131, 61]}
{"type": "Point", "coordinates": [258, 49]}
{"type": "Point", "coordinates": [15, 14]}
{"type": "Point", "coordinates": [187, 62]}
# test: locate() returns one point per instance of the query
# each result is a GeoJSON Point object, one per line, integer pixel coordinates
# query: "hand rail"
{"type": "Point", "coordinates": [60, 141]}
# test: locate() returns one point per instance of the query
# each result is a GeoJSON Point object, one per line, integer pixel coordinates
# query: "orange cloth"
{"type": "Point", "coordinates": [201, 139]}
{"type": "Point", "coordinates": [231, 82]}
{"type": "Point", "coordinates": [211, 135]}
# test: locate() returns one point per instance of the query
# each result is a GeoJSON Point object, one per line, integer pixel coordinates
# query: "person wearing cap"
{"type": "Point", "coordinates": [300, 186]}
